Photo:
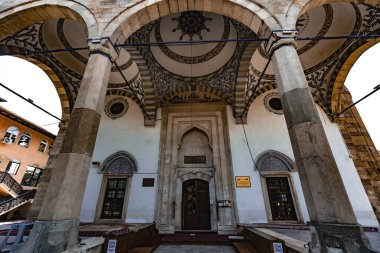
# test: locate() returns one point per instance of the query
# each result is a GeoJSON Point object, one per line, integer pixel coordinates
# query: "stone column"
{"type": "Point", "coordinates": [57, 227]}
{"type": "Point", "coordinates": [333, 223]}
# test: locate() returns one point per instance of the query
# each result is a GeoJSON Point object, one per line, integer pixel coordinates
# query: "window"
{"type": "Point", "coordinates": [12, 167]}
{"type": "Point", "coordinates": [280, 199]}
{"type": "Point", "coordinates": [25, 140]}
{"type": "Point", "coordinates": [42, 147]}
{"type": "Point", "coordinates": [11, 135]}
{"type": "Point", "coordinates": [32, 176]}
{"type": "Point", "coordinates": [114, 198]}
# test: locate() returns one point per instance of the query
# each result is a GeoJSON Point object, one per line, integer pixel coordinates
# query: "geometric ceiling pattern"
{"type": "Point", "coordinates": [197, 70]}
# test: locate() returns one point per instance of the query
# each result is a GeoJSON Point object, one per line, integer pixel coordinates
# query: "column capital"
{"type": "Point", "coordinates": [103, 46]}
{"type": "Point", "coordinates": [279, 39]}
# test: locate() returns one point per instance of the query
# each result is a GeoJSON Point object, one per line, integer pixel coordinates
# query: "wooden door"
{"type": "Point", "coordinates": [195, 205]}
{"type": "Point", "coordinates": [114, 198]}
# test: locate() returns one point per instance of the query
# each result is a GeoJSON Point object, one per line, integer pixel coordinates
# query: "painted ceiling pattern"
{"type": "Point", "coordinates": [70, 65]}
{"type": "Point", "coordinates": [194, 71]}
{"type": "Point", "coordinates": [321, 59]}
{"type": "Point", "coordinates": [197, 70]}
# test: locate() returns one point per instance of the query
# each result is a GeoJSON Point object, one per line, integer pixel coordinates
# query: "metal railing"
{"type": "Point", "coordinates": [10, 182]}
{"type": "Point", "coordinates": [10, 204]}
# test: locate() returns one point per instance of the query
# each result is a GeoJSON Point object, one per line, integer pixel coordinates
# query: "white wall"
{"type": "Point", "coordinates": [126, 134]}
{"type": "Point", "coordinates": [266, 131]}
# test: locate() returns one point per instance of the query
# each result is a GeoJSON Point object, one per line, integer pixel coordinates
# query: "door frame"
{"type": "Point", "coordinates": [211, 118]}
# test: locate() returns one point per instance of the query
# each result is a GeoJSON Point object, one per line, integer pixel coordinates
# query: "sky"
{"type": "Point", "coordinates": [31, 82]}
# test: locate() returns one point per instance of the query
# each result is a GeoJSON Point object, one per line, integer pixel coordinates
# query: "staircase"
{"type": "Point", "coordinates": [14, 203]}
{"type": "Point", "coordinates": [8, 185]}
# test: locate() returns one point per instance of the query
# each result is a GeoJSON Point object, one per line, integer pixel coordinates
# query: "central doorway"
{"type": "Point", "coordinates": [196, 205]}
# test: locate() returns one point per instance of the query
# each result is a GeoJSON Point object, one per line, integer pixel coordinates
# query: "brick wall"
{"type": "Point", "coordinates": [364, 154]}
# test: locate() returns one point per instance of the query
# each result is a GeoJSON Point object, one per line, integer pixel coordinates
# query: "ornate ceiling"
{"type": "Point", "coordinates": [218, 71]}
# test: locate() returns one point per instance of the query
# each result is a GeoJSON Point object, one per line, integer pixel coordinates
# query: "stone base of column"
{"type": "Point", "coordinates": [338, 238]}
{"type": "Point", "coordinates": [51, 237]}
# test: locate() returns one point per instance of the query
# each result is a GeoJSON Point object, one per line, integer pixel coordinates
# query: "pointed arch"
{"type": "Point", "coordinates": [272, 160]}
{"type": "Point", "coordinates": [120, 162]}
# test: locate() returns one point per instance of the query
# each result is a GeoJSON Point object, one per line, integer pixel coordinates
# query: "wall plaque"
{"type": "Point", "coordinates": [198, 159]}
{"type": "Point", "coordinates": [148, 182]}
{"type": "Point", "coordinates": [243, 181]}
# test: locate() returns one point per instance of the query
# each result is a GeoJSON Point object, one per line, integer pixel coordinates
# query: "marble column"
{"type": "Point", "coordinates": [57, 227]}
{"type": "Point", "coordinates": [333, 223]}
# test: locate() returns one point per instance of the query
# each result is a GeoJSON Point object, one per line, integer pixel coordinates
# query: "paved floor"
{"type": "Point", "coordinates": [304, 235]}
{"type": "Point", "coordinates": [168, 248]}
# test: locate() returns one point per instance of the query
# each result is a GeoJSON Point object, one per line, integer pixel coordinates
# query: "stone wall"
{"type": "Point", "coordinates": [364, 154]}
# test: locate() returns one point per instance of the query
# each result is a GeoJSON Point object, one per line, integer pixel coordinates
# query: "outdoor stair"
{"type": "Point", "coordinates": [8, 185]}
{"type": "Point", "coordinates": [14, 203]}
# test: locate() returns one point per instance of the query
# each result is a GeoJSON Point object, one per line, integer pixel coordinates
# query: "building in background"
{"type": "Point", "coordinates": [235, 121]}
{"type": "Point", "coordinates": [24, 151]}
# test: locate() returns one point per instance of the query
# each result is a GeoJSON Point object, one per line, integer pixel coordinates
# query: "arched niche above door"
{"type": "Point", "coordinates": [195, 149]}
{"type": "Point", "coordinates": [274, 161]}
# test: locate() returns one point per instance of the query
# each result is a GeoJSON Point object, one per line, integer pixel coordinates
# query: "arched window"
{"type": "Point", "coordinates": [43, 145]}
{"type": "Point", "coordinates": [11, 135]}
{"type": "Point", "coordinates": [280, 197]}
{"type": "Point", "coordinates": [117, 170]}
{"type": "Point", "coordinates": [25, 140]}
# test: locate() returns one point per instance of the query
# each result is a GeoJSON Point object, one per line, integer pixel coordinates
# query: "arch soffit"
{"type": "Point", "coordinates": [300, 7]}
{"type": "Point", "coordinates": [113, 157]}
{"type": "Point", "coordinates": [349, 62]}
{"type": "Point", "coordinates": [246, 12]}
{"type": "Point", "coordinates": [36, 11]}
{"type": "Point", "coordinates": [273, 153]}
{"type": "Point", "coordinates": [194, 127]}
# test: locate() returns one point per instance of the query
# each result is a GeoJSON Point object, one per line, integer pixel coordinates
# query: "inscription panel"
{"type": "Point", "coordinates": [194, 159]}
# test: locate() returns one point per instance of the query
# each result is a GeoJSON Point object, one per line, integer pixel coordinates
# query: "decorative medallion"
{"type": "Point", "coordinates": [195, 59]}
{"type": "Point", "coordinates": [273, 104]}
{"type": "Point", "coordinates": [191, 23]}
{"type": "Point", "coordinates": [116, 108]}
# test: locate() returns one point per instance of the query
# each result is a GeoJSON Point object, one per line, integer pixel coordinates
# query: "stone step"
{"type": "Point", "coordinates": [243, 247]}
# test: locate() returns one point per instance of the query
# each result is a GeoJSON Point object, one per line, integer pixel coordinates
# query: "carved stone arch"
{"type": "Point", "coordinates": [274, 161]}
{"type": "Point", "coordinates": [16, 17]}
{"type": "Point", "coordinates": [241, 83]}
{"type": "Point", "coordinates": [299, 7]}
{"type": "Point", "coordinates": [198, 175]}
{"type": "Point", "coordinates": [66, 94]}
{"type": "Point", "coordinates": [120, 162]}
{"type": "Point", "coordinates": [194, 127]}
{"type": "Point", "coordinates": [249, 13]}
{"type": "Point", "coordinates": [347, 60]}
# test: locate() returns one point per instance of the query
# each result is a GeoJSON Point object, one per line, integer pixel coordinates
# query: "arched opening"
{"type": "Point", "coordinates": [30, 13]}
{"type": "Point", "coordinates": [33, 83]}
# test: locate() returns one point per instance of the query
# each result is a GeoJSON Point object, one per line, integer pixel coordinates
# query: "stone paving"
{"type": "Point", "coordinates": [168, 248]}
{"type": "Point", "coordinates": [304, 235]}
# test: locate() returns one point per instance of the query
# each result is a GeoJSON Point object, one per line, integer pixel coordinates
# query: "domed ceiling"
{"type": "Point", "coordinates": [197, 64]}
{"type": "Point", "coordinates": [321, 59]}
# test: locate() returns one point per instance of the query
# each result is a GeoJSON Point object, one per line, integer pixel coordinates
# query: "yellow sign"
{"type": "Point", "coordinates": [243, 181]}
